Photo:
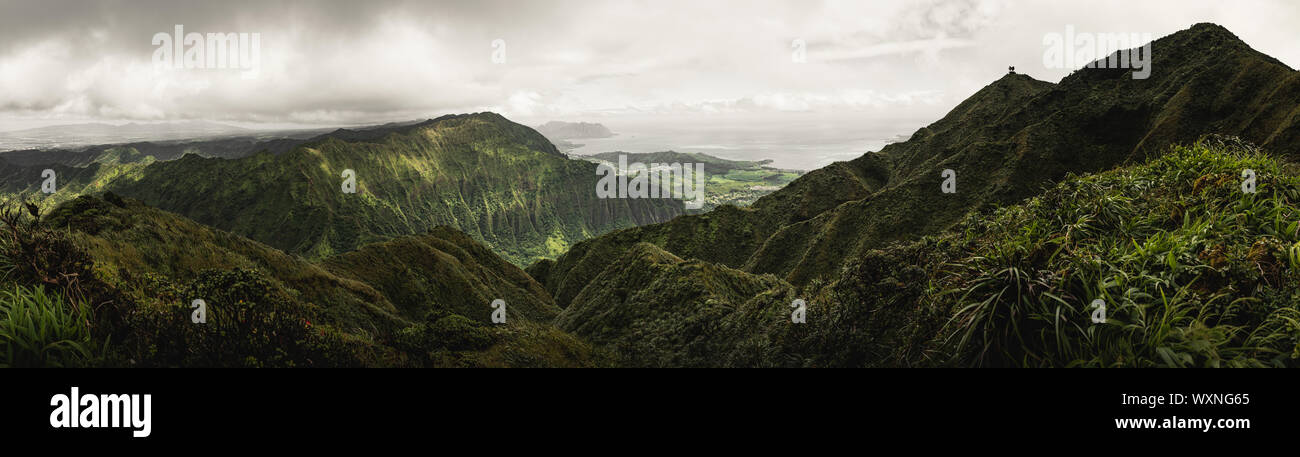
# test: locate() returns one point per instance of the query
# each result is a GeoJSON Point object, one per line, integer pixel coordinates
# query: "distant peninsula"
{"type": "Point", "coordinates": [556, 130]}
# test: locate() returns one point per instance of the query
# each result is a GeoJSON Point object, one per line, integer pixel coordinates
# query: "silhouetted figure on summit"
{"type": "Point", "coordinates": [1011, 70]}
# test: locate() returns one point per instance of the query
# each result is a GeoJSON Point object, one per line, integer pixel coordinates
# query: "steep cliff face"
{"type": "Point", "coordinates": [500, 182]}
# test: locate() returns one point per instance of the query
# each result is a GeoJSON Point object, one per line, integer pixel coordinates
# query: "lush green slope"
{"type": "Point", "coordinates": [24, 182]}
{"type": "Point", "coordinates": [415, 300]}
{"type": "Point", "coordinates": [651, 308]}
{"type": "Point", "coordinates": [1193, 271]}
{"type": "Point", "coordinates": [776, 233]}
{"type": "Point", "coordinates": [498, 181]}
{"type": "Point", "coordinates": [1004, 143]}
{"type": "Point", "coordinates": [447, 271]}
{"type": "Point", "coordinates": [135, 246]}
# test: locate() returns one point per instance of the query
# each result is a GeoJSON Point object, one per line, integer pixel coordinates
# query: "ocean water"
{"type": "Point", "coordinates": [798, 146]}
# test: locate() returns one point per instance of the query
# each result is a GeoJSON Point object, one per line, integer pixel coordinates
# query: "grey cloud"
{"type": "Point", "coordinates": [343, 60]}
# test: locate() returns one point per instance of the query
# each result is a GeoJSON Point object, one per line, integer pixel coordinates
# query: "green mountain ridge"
{"type": "Point", "coordinates": [1005, 143]}
{"type": "Point", "coordinates": [498, 181]}
{"type": "Point", "coordinates": [1193, 272]}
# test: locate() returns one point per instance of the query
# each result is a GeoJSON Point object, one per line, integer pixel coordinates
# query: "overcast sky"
{"type": "Point", "coordinates": [350, 62]}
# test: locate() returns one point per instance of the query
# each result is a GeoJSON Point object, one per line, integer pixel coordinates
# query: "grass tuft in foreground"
{"type": "Point", "coordinates": [37, 329]}
{"type": "Point", "coordinates": [1192, 270]}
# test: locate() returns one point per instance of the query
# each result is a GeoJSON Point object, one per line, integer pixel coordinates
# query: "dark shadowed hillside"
{"type": "Point", "coordinates": [415, 300]}
{"type": "Point", "coordinates": [1007, 142]}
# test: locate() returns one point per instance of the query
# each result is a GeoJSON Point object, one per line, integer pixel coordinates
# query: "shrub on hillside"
{"type": "Point", "coordinates": [442, 331]}
{"type": "Point", "coordinates": [249, 323]}
{"type": "Point", "coordinates": [51, 298]}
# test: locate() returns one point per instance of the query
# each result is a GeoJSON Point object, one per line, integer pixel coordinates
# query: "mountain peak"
{"type": "Point", "coordinates": [1210, 28]}
{"type": "Point", "coordinates": [1214, 40]}
{"type": "Point", "coordinates": [1204, 35]}
{"type": "Point", "coordinates": [494, 121]}
{"type": "Point", "coordinates": [1014, 78]}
